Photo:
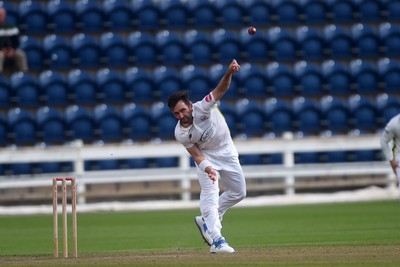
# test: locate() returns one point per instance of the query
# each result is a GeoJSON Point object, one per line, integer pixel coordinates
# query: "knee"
{"type": "Point", "coordinates": [240, 195]}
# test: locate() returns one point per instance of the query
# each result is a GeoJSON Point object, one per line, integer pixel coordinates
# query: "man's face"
{"type": "Point", "coordinates": [183, 113]}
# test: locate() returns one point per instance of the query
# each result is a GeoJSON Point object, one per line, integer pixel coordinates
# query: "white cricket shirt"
{"type": "Point", "coordinates": [209, 131]}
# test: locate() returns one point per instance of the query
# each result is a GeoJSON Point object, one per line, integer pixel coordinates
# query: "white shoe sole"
{"type": "Point", "coordinates": [200, 225]}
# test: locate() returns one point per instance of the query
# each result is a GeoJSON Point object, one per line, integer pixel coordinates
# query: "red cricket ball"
{"type": "Point", "coordinates": [252, 30]}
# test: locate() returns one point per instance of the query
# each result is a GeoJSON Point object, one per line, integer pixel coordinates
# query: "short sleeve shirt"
{"type": "Point", "coordinates": [209, 130]}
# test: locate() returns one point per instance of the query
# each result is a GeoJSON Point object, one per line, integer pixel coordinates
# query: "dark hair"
{"type": "Point", "coordinates": [176, 97]}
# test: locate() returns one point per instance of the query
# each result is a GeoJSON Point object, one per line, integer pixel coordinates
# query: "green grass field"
{"type": "Point", "coordinates": [347, 234]}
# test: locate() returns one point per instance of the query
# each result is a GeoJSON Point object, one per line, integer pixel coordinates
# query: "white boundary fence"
{"type": "Point", "coordinates": [288, 146]}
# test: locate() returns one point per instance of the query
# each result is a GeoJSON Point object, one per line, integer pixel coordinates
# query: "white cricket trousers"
{"type": "Point", "coordinates": [212, 205]}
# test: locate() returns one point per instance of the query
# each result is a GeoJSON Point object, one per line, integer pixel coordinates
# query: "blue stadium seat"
{"type": "Point", "coordinates": [389, 73]}
{"type": "Point", "coordinates": [365, 77]}
{"type": "Point", "coordinates": [55, 167]}
{"type": "Point", "coordinates": [251, 118]}
{"type": "Point", "coordinates": [336, 156]}
{"type": "Point", "coordinates": [342, 11]}
{"type": "Point", "coordinates": [335, 114]}
{"type": "Point", "coordinates": [337, 77]}
{"type": "Point", "coordinates": [101, 165]}
{"type": "Point", "coordinates": [139, 163]}
{"type": "Point", "coordinates": [387, 106]}
{"type": "Point", "coordinates": [251, 159]}
{"type": "Point", "coordinates": [62, 16]}
{"type": "Point", "coordinates": [199, 47]}
{"type": "Point", "coordinates": [365, 155]}
{"type": "Point", "coordinates": [23, 168]}
{"type": "Point", "coordinates": [22, 127]}
{"type": "Point", "coordinates": [231, 13]}
{"type": "Point", "coordinates": [259, 12]}
{"type": "Point", "coordinates": [108, 121]}
{"type": "Point", "coordinates": [363, 113]}
{"type": "Point", "coordinates": [216, 72]}
{"type": "Point", "coordinates": [203, 13]}
{"type": "Point", "coordinates": [143, 48]}
{"type": "Point", "coordinates": [279, 116]}
{"type": "Point", "coordinates": [315, 11]}
{"type": "Point", "coordinates": [34, 52]}
{"type": "Point", "coordinates": [281, 79]}
{"type": "Point", "coordinates": [33, 17]}
{"type": "Point", "coordinates": [5, 94]}
{"type": "Point", "coordinates": [311, 43]}
{"type": "Point", "coordinates": [339, 42]}
{"type": "Point", "coordinates": [369, 10]}
{"type": "Point", "coordinates": [366, 41]}
{"type": "Point", "coordinates": [25, 89]}
{"type": "Point", "coordinates": [164, 121]}
{"type": "Point", "coordinates": [166, 162]}
{"type": "Point", "coordinates": [175, 14]}
{"type": "Point", "coordinates": [168, 81]}
{"type": "Point", "coordinates": [171, 48]}
{"type": "Point", "coordinates": [392, 7]}
{"type": "Point", "coordinates": [307, 157]}
{"type": "Point", "coordinates": [389, 34]}
{"type": "Point", "coordinates": [90, 16]}
{"type": "Point", "coordinates": [115, 50]}
{"type": "Point", "coordinates": [51, 126]}
{"type": "Point", "coordinates": [86, 50]}
{"type": "Point", "coordinates": [79, 122]}
{"type": "Point", "coordinates": [283, 44]}
{"type": "Point", "coordinates": [308, 116]}
{"type": "Point", "coordinates": [58, 51]}
{"type": "Point", "coordinates": [288, 12]}
{"type": "Point", "coordinates": [252, 79]}
{"type": "Point", "coordinates": [227, 45]}
{"type": "Point", "coordinates": [230, 115]}
{"type": "Point", "coordinates": [111, 86]}
{"type": "Point", "coordinates": [309, 78]}
{"type": "Point", "coordinates": [256, 47]}
{"type": "Point", "coordinates": [139, 85]}
{"type": "Point", "coordinates": [54, 88]}
{"type": "Point", "coordinates": [12, 13]}
{"type": "Point", "coordinates": [196, 81]}
{"type": "Point", "coordinates": [83, 87]}
{"type": "Point", "coordinates": [3, 130]}
{"type": "Point", "coordinates": [147, 14]}
{"type": "Point", "coordinates": [137, 122]}
{"type": "Point", "coordinates": [118, 14]}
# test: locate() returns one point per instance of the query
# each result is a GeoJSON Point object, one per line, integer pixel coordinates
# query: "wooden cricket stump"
{"type": "Point", "coordinates": [65, 216]}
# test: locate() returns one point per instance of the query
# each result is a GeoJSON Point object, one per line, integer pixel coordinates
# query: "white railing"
{"type": "Point", "coordinates": [288, 146]}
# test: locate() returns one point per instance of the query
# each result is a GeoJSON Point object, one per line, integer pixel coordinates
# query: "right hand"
{"type": "Point", "coordinates": [234, 66]}
{"type": "Point", "coordinates": [212, 174]}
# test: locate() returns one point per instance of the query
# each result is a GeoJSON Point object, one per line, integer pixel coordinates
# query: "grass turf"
{"type": "Point", "coordinates": [345, 234]}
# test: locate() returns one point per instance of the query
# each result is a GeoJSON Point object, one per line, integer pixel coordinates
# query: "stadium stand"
{"type": "Point", "coordinates": [96, 63]}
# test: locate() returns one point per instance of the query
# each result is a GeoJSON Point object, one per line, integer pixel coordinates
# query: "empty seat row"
{"type": "Point", "coordinates": [138, 85]}
{"type": "Point", "coordinates": [271, 118]}
{"type": "Point", "coordinates": [95, 16]}
{"type": "Point", "coordinates": [197, 47]}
